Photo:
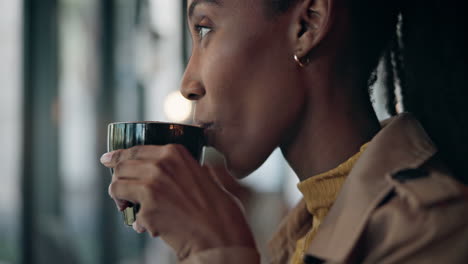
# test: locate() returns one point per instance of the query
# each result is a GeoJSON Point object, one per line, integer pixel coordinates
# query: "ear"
{"type": "Point", "coordinates": [312, 24]}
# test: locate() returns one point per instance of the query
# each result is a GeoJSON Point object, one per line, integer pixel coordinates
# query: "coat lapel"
{"type": "Point", "coordinates": [402, 143]}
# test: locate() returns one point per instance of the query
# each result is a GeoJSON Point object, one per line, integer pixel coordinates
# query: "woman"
{"type": "Point", "coordinates": [294, 74]}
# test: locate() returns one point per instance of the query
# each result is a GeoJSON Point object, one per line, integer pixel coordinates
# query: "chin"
{"type": "Point", "coordinates": [243, 159]}
{"type": "Point", "coordinates": [241, 168]}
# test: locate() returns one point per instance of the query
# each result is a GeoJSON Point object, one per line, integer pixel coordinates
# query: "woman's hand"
{"type": "Point", "coordinates": [180, 200]}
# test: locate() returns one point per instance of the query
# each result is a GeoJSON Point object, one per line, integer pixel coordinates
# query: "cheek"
{"type": "Point", "coordinates": [251, 87]}
{"type": "Point", "coordinates": [247, 65]}
{"type": "Point", "coordinates": [227, 62]}
{"type": "Point", "coordinates": [228, 72]}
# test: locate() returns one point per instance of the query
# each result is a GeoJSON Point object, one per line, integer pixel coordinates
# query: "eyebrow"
{"type": "Point", "coordinates": [194, 4]}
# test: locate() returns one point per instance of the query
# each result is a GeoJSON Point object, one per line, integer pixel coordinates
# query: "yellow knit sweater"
{"type": "Point", "coordinates": [320, 193]}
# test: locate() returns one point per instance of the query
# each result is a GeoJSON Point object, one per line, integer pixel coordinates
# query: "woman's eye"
{"type": "Point", "coordinates": [203, 31]}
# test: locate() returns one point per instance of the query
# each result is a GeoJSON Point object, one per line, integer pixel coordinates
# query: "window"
{"type": "Point", "coordinates": [10, 132]}
{"type": "Point", "coordinates": [84, 64]}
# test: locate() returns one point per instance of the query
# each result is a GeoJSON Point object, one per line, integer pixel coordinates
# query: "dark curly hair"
{"type": "Point", "coordinates": [422, 47]}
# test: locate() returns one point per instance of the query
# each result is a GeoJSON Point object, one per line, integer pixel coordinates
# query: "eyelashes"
{"type": "Point", "coordinates": [202, 27]}
{"type": "Point", "coordinates": [202, 31]}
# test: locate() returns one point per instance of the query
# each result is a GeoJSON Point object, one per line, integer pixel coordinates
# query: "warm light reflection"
{"type": "Point", "coordinates": [176, 107]}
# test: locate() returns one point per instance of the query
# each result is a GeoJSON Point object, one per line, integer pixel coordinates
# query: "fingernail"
{"type": "Point", "coordinates": [107, 157]}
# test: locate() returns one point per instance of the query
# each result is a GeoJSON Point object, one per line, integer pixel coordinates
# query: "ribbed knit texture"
{"type": "Point", "coordinates": [320, 193]}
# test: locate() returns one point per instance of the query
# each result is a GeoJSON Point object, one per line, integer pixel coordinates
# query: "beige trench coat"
{"type": "Point", "coordinates": [398, 205]}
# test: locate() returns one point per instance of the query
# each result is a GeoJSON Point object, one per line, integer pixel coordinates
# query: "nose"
{"type": "Point", "coordinates": [192, 87]}
{"type": "Point", "coordinates": [192, 90]}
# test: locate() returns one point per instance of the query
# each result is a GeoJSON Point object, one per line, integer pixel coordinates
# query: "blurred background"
{"type": "Point", "coordinates": [66, 65]}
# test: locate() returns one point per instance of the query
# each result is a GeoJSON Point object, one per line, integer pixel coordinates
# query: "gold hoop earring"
{"type": "Point", "coordinates": [299, 62]}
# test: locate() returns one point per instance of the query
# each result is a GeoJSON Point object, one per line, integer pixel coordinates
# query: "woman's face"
{"type": "Point", "coordinates": [243, 78]}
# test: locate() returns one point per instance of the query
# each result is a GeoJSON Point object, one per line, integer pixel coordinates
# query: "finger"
{"type": "Point", "coordinates": [111, 159]}
{"type": "Point", "coordinates": [136, 169]}
{"type": "Point", "coordinates": [121, 204]}
{"type": "Point", "coordinates": [138, 228]}
{"type": "Point", "coordinates": [146, 220]}
{"type": "Point", "coordinates": [125, 190]}
{"type": "Point", "coordinates": [176, 160]}
{"type": "Point", "coordinates": [143, 152]}
{"type": "Point", "coordinates": [212, 172]}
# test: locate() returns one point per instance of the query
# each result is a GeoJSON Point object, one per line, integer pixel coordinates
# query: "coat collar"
{"type": "Point", "coordinates": [402, 143]}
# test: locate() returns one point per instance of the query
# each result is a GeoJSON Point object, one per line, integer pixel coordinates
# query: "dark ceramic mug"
{"type": "Point", "coordinates": [125, 135]}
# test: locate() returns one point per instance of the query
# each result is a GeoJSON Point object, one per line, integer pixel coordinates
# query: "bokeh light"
{"type": "Point", "coordinates": [176, 107]}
